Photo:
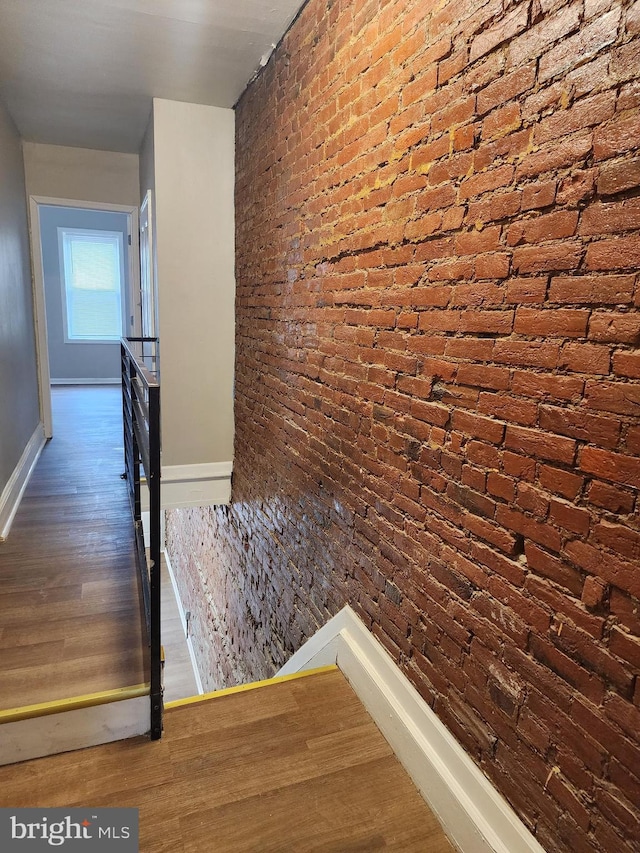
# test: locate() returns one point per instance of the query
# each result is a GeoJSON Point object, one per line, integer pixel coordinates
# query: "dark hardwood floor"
{"type": "Point", "coordinates": [286, 768]}
{"type": "Point", "coordinates": [70, 619]}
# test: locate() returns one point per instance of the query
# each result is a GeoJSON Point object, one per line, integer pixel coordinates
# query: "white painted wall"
{"type": "Point", "coordinates": [81, 174]}
{"type": "Point", "coordinates": [193, 149]}
{"type": "Point", "coordinates": [19, 406]}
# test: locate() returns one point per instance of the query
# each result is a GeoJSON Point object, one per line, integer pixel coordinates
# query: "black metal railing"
{"type": "Point", "coordinates": [141, 419]}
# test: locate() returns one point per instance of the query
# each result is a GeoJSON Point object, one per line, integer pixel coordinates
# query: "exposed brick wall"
{"type": "Point", "coordinates": [438, 234]}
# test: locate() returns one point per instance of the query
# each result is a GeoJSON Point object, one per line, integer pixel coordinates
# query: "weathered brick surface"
{"type": "Point", "coordinates": [438, 382]}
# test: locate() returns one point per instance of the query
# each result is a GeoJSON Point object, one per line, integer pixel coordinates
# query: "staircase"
{"type": "Point", "coordinates": [290, 764]}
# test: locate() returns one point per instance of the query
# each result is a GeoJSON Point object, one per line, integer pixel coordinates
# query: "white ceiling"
{"type": "Point", "coordinates": [83, 72]}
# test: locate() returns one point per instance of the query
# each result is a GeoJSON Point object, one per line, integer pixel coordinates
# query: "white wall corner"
{"type": "Point", "coordinates": [474, 815]}
{"type": "Point", "coordinates": [17, 483]}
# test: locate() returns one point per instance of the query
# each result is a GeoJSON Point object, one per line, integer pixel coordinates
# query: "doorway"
{"type": "Point", "coordinates": [80, 317]}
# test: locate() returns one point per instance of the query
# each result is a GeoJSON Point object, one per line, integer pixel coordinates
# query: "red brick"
{"type": "Point", "coordinates": [592, 289]}
{"type": "Point", "coordinates": [576, 187]}
{"type": "Point", "coordinates": [596, 429]}
{"type": "Point", "coordinates": [571, 672]}
{"type": "Point", "coordinates": [552, 567]}
{"type": "Point", "coordinates": [585, 358]}
{"type": "Point", "coordinates": [550, 28]}
{"type": "Point", "coordinates": [550, 226]}
{"type": "Point", "coordinates": [633, 18]}
{"type": "Point", "coordinates": [611, 218]}
{"type": "Point", "coordinates": [486, 181]}
{"type": "Point", "coordinates": [559, 602]}
{"type": "Point", "coordinates": [477, 427]}
{"type": "Point", "coordinates": [562, 482]}
{"type": "Point", "coordinates": [540, 444]}
{"type": "Point", "coordinates": [629, 97]}
{"type": "Point", "coordinates": [464, 137]}
{"type": "Point", "coordinates": [492, 265]}
{"type": "Point", "coordinates": [619, 572]}
{"type": "Point", "coordinates": [618, 176]}
{"type": "Point", "coordinates": [626, 646]}
{"type": "Point", "coordinates": [494, 208]}
{"type": "Point", "coordinates": [584, 113]}
{"type": "Point", "coordinates": [588, 41]}
{"type": "Point", "coordinates": [451, 66]}
{"type": "Point", "coordinates": [486, 322]}
{"type": "Point", "coordinates": [528, 290]}
{"type": "Point", "coordinates": [557, 322]}
{"type": "Point", "coordinates": [508, 26]}
{"type": "Point", "coordinates": [526, 353]}
{"type": "Point", "coordinates": [620, 397]}
{"type": "Point", "coordinates": [615, 328]}
{"type": "Point", "coordinates": [603, 732]}
{"type": "Point", "coordinates": [626, 364]}
{"type": "Point", "coordinates": [508, 409]}
{"type": "Point", "coordinates": [483, 376]}
{"type": "Point", "coordinates": [539, 194]}
{"type": "Point", "coordinates": [501, 122]}
{"type": "Point", "coordinates": [500, 486]}
{"type": "Point", "coordinates": [618, 537]}
{"type": "Point", "coordinates": [610, 497]}
{"type": "Point", "coordinates": [505, 88]}
{"type": "Point", "coordinates": [473, 242]}
{"type": "Point", "coordinates": [424, 421]}
{"type": "Point", "coordinates": [569, 152]}
{"type": "Point", "coordinates": [458, 113]}
{"type": "Point", "coordinates": [580, 646]}
{"type": "Point", "coordinates": [521, 467]}
{"type": "Point", "coordinates": [570, 517]}
{"type": "Point", "coordinates": [564, 255]}
{"type": "Point", "coordinates": [617, 137]}
{"type": "Point", "coordinates": [624, 61]}
{"type": "Point", "coordinates": [593, 592]}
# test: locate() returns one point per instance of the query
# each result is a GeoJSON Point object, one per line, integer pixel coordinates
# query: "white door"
{"type": "Point", "coordinates": [147, 278]}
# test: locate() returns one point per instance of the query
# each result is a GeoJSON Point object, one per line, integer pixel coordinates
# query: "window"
{"type": "Point", "coordinates": [92, 276]}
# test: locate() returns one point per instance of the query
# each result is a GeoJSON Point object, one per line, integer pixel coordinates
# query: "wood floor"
{"type": "Point", "coordinates": [288, 768]}
{"type": "Point", "coordinates": [70, 619]}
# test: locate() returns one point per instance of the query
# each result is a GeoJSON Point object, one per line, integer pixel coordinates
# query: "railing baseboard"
{"type": "Point", "coordinates": [68, 724]}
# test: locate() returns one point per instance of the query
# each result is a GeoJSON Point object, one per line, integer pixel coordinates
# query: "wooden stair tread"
{"type": "Point", "coordinates": [293, 766]}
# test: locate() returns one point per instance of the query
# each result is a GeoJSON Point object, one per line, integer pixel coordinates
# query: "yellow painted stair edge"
{"type": "Point", "coordinates": [75, 703]}
{"type": "Point", "coordinates": [253, 685]}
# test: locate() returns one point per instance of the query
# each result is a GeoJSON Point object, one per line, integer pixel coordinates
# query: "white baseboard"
{"type": "Point", "coordinates": [208, 484]}
{"type": "Point", "coordinates": [183, 621]}
{"type": "Point", "coordinates": [75, 729]}
{"type": "Point", "coordinates": [116, 381]}
{"type": "Point", "coordinates": [14, 490]}
{"type": "Point", "coordinates": [474, 815]}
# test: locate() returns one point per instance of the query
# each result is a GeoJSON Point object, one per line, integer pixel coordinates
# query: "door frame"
{"type": "Point", "coordinates": [39, 307]}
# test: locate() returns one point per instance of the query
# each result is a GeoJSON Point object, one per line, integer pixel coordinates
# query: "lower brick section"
{"type": "Point", "coordinates": [437, 395]}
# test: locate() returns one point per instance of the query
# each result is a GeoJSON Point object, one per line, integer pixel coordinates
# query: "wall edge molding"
{"type": "Point", "coordinates": [193, 473]}
{"type": "Point", "coordinates": [474, 815]}
{"type": "Point", "coordinates": [183, 622]}
{"type": "Point", "coordinates": [204, 484]}
{"type": "Point", "coordinates": [17, 482]}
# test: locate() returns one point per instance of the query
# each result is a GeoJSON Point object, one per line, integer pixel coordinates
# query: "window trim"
{"type": "Point", "coordinates": [64, 230]}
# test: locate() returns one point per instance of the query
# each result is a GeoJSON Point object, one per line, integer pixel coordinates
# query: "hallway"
{"type": "Point", "coordinates": [70, 621]}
